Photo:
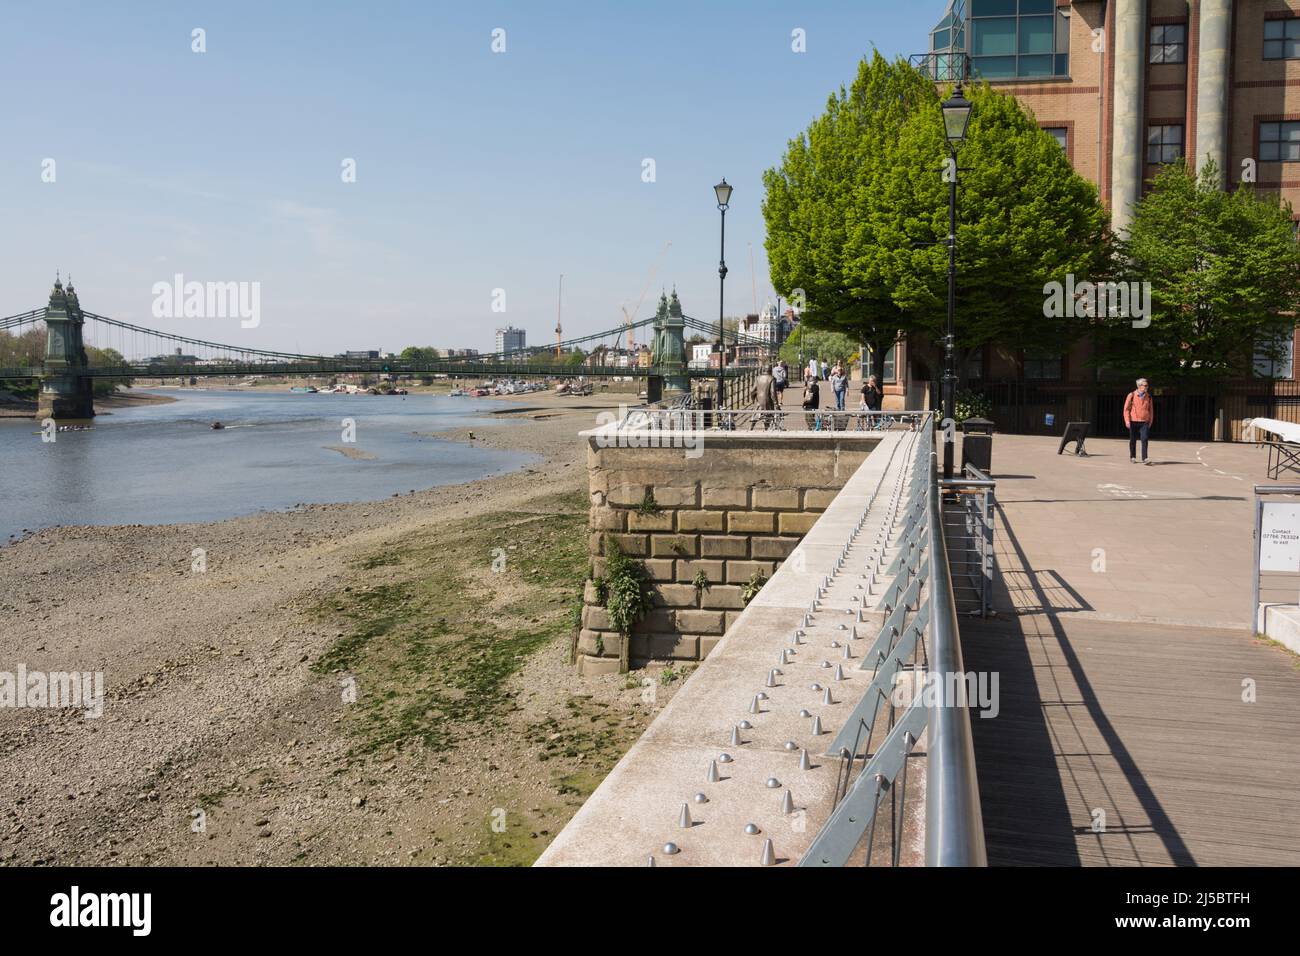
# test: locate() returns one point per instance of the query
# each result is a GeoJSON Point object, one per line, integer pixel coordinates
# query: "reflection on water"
{"type": "Point", "coordinates": [165, 463]}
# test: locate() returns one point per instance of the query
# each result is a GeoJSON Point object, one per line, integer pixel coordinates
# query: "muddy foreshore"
{"type": "Point", "coordinates": [228, 735]}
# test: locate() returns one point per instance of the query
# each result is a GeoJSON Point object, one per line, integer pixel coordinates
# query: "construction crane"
{"type": "Point", "coordinates": [630, 317]}
{"type": "Point", "coordinates": [559, 303]}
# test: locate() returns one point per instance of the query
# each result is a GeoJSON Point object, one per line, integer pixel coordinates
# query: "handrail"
{"type": "Point", "coordinates": [954, 826]}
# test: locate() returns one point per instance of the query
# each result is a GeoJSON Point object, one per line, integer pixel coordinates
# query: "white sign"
{"type": "Point", "coordinates": [1279, 537]}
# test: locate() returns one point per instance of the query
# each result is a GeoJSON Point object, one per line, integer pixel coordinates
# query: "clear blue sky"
{"type": "Point", "coordinates": [475, 170]}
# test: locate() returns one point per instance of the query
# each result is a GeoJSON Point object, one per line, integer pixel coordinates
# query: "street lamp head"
{"type": "Point", "coordinates": [723, 192]}
{"type": "Point", "coordinates": [956, 117]}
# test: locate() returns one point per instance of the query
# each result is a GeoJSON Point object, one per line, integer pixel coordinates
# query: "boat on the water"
{"type": "Point", "coordinates": [304, 389]}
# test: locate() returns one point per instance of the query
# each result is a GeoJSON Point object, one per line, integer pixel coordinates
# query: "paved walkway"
{"type": "Point", "coordinates": [1125, 685]}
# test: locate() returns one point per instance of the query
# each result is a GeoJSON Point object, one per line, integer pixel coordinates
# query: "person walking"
{"type": "Point", "coordinates": [872, 399]}
{"type": "Point", "coordinates": [839, 385]}
{"type": "Point", "coordinates": [811, 402]}
{"type": "Point", "coordinates": [779, 375]}
{"type": "Point", "coordinates": [1139, 416]}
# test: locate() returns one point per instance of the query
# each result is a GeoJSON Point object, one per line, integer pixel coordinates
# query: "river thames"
{"type": "Point", "coordinates": [164, 463]}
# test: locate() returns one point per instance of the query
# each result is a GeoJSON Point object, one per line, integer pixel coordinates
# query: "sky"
{"type": "Point", "coordinates": [475, 171]}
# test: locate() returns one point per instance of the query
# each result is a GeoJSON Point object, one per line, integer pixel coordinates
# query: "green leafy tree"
{"type": "Point", "coordinates": [806, 343]}
{"type": "Point", "coordinates": [1224, 269]}
{"type": "Point", "coordinates": [106, 357]}
{"type": "Point", "coordinates": [1025, 219]}
{"type": "Point", "coordinates": [820, 205]}
{"type": "Point", "coordinates": [549, 358]}
{"type": "Point", "coordinates": [418, 353]}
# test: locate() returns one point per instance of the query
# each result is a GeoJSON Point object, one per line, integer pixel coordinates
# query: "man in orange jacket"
{"type": "Point", "coordinates": [1139, 416]}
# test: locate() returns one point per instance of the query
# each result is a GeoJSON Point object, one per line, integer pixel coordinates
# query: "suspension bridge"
{"type": "Point", "coordinates": [65, 349]}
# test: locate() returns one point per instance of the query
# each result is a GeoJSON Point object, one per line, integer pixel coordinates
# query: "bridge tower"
{"type": "Point", "coordinates": [668, 353]}
{"type": "Point", "coordinates": [65, 394]}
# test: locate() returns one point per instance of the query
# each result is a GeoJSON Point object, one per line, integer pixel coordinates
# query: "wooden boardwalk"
{"type": "Point", "coordinates": [1147, 724]}
{"type": "Point", "coordinates": [1142, 721]}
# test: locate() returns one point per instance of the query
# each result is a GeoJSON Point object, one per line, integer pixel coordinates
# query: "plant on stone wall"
{"type": "Point", "coordinates": [648, 505]}
{"type": "Point", "coordinates": [753, 586]}
{"type": "Point", "coordinates": [701, 583]}
{"type": "Point", "coordinates": [626, 598]}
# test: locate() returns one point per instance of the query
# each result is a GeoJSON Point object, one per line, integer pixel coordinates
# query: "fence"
{"type": "Point", "coordinates": [1187, 413]}
{"type": "Point", "coordinates": [954, 832]}
{"type": "Point", "coordinates": [968, 527]}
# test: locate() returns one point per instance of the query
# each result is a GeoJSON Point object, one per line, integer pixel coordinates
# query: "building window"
{"type": "Point", "coordinates": [1279, 142]}
{"type": "Point", "coordinates": [1016, 38]}
{"type": "Point", "coordinates": [1282, 39]}
{"type": "Point", "coordinates": [1164, 144]}
{"type": "Point", "coordinates": [1059, 133]}
{"type": "Point", "coordinates": [891, 364]}
{"type": "Point", "coordinates": [1042, 366]}
{"type": "Point", "coordinates": [1169, 43]}
{"type": "Point", "coordinates": [975, 365]}
{"type": "Point", "coordinates": [1276, 362]}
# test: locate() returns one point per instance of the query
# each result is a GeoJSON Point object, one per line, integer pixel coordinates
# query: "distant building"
{"type": "Point", "coordinates": [700, 355]}
{"type": "Point", "coordinates": [767, 328]}
{"type": "Point", "coordinates": [510, 340]}
{"type": "Point", "coordinates": [359, 354]}
{"type": "Point", "coordinates": [175, 358]}
{"type": "Point", "coordinates": [460, 353]}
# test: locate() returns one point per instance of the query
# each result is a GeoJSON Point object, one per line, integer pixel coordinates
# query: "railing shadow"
{"type": "Point", "coordinates": [1027, 776]}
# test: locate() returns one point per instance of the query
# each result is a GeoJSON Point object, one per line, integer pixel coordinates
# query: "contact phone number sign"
{"type": "Point", "coordinates": [1279, 537]}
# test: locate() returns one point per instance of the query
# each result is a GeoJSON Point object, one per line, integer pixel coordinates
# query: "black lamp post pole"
{"type": "Point", "coordinates": [950, 369]}
{"type": "Point", "coordinates": [722, 280]}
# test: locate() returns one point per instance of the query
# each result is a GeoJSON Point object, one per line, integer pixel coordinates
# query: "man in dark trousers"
{"type": "Point", "coordinates": [1139, 416]}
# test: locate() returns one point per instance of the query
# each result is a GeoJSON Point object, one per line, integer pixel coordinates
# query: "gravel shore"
{"type": "Point", "coordinates": [219, 742]}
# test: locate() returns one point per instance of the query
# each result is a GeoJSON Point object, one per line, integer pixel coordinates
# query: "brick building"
{"type": "Point", "coordinates": [1124, 86]}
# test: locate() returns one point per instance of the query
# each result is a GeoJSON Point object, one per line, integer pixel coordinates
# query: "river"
{"type": "Point", "coordinates": [158, 464]}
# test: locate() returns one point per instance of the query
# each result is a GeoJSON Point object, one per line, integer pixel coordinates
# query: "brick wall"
{"type": "Point", "coordinates": [738, 509]}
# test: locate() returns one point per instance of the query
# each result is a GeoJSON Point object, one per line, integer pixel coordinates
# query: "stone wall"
{"type": "Point", "coordinates": [734, 510]}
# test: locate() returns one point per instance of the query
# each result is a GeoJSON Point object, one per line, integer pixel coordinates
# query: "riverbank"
{"type": "Point", "coordinates": [383, 682]}
{"type": "Point", "coordinates": [11, 407]}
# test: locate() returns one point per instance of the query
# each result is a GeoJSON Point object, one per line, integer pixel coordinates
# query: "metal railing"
{"type": "Point", "coordinates": [685, 413]}
{"type": "Point", "coordinates": [968, 531]}
{"type": "Point", "coordinates": [913, 529]}
{"type": "Point", "coordinates": [954, 825]}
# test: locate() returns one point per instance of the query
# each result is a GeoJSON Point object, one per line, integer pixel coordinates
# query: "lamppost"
{"type": "Point", "coordinates": [956, 117]}
{"type": "Point", "coordinates": [723, 193]}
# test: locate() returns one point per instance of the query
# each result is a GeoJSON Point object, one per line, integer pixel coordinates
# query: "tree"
{"type": "Point", "coordinates": [417, 353]}
{"type": "Point", "coordinates": [1224, 269]}
{"type": "Point", "coordinates": [819, 205]}
{"type": "Point", "coordinates": [106, 357]}
{"type": "Point", "coordinates": [857, 217]}
{"type": "Point", "coordinates": [549, 358]}
{"type": "Point", "coordinates": [806, 343]}
{"type": "Point", "coordinates": [1025, 219]}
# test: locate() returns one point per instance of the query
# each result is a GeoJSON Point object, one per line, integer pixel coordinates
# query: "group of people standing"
{"type": "Point", "coordinates": [1139, 406]}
